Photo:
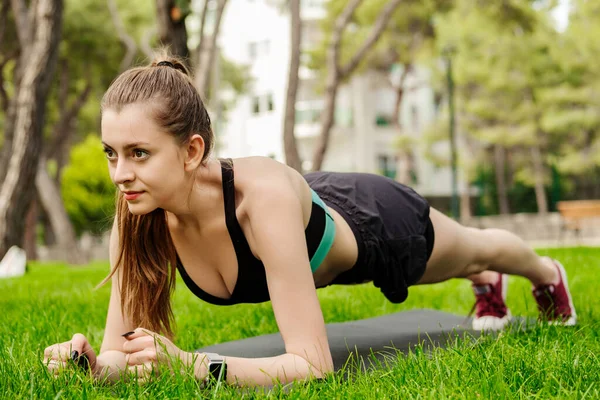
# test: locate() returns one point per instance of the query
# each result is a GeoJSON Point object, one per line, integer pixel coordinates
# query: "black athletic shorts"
{"type": "Point", "coordinates": [391, 224]}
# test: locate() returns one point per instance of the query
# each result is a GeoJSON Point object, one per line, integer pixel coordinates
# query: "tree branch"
{"type": "Point", "coordinates": [333, 53]}
{"type": "Point", "coordinates": [62, 129]}
{"type": "Point", "coordinates": [126, 39]}
{"type": "Point", "coordinates": [22, 19]}
{"type": "Point", "coordinates": [200, 47]}
{"type": "Point", "coordinates": [212, 51]}
{"type": "Point", "coordinates": [145, 44]}
{"type": "Point", "coordinates": [380, 24]}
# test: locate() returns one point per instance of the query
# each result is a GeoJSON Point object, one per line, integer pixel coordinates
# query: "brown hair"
{"type": "Point", "coordinates": [147, 254]}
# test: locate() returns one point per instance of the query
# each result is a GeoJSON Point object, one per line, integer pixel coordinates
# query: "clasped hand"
{"type": "Point", "coordinates": [147, 353]}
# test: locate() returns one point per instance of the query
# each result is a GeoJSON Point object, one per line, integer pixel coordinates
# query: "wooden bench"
{"type": "Point", "coordinates": [575, 211]}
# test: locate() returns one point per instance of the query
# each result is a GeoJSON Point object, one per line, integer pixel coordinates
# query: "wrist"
{"type": "Point", "coordinates": [199, 363]}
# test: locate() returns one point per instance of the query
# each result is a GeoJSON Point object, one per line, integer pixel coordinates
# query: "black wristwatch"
{"type": "Point", "coordinates": [217, 368]}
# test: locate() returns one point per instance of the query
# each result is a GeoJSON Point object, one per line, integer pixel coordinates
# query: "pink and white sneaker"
{"type": "Point", "coordinates": [491, 313]}
{"type": "Point", "coordinates": [554, 301]}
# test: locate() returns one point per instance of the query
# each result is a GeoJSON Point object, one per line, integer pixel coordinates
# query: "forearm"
{"type": "Point", "coordinates": [266, 371]}
{"type": "Point", "coordinates": [110, 366]}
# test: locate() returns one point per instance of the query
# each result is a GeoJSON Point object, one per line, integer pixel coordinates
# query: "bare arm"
{"type": "Point", "coordinates": [111, 361]}
{"type": "Point", "coordinates": [277, 228]}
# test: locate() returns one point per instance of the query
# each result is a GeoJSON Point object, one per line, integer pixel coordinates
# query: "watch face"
{"type": "Point", "coordinates": [217, 370]}
{"type": "Point", "coordinates": [214, 368]}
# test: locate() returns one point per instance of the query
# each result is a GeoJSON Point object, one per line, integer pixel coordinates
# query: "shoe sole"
{"type": "Point", "coordinates": [490, 323]}
{"type": "Point", "coordinates": [563, 275]}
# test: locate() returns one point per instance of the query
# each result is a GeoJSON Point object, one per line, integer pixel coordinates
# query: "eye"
{"type": "Point", "coordinates": [110, 154]}
{"type": "Point", "coordinates": [140, 154]}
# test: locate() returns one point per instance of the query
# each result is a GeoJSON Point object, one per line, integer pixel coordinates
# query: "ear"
{"type": "Point", "coordinates": [194, 152]}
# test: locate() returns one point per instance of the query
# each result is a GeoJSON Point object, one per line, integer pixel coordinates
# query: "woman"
{"type": "Point", "coordinates": [252, 229]}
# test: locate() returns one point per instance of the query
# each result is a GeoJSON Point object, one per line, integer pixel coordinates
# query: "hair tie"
{"type": "Point", "coordinates": [165, 64]}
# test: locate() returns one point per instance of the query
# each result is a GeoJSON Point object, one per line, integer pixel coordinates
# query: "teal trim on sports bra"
{"type": "Point", "coordinates": [328, 235]}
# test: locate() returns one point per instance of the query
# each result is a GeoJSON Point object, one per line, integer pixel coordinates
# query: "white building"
{"type": "Point", "coordinates": [257, 33]}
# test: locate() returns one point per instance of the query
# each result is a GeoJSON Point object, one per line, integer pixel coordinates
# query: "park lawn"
{"type": "Point", "coordinates": [54, 301]}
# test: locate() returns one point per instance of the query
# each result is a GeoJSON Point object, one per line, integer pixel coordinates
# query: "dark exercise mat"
{"type": "Point", "coordinates": [362, 342]}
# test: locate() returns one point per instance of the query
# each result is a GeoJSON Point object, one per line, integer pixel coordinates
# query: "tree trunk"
{"type": "Point", "coordinates": [206, 57]}
{"type": "Point", "coordinates": [38, 62]}
{"type": "Point", "coordinates": [404, 161]}
{"type": "Point", "coordinates": [171, 28]}
{"type": "Point", "coordinates": [30, 245]}
{"type": "Point", "coordinates": [327, 118]}
{"type": "Point", "coordinates": [51, 200]}
{"type": "Point", "coordinates": [200, 48]}
{"type": "Point", "coordinates": [292, 157]}
{"type": "Point", "coordinates": [500, 158]}
{"type": "Point", "coordinates": [337, 73]}
{"type": "Point", "coordinates": [538, 171]}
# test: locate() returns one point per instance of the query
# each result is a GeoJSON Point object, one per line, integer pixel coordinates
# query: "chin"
{"type": "Point", "coordinates": [140, 209]}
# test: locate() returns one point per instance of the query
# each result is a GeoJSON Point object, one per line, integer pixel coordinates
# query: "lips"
{"type": "Point", "coordinates": [130, 195]}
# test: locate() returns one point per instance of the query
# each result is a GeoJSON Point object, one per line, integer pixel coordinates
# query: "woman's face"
{"type": "Point", "coordinates": [145, 163]}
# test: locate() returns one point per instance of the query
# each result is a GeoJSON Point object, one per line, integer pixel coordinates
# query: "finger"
{"type": "Point", "coordinates": [141, 357]}
{"type": "Point", "coordinates": [59, 352]}
{"type": "Point", "coordinates": [143, 371]}
{"type": "Point", "coordinates": [55, 366]}
{"type": "Point", "coordinates": [139, 344]}
{"type": "Point", "coordinates": [138, 332]}
{"type": "Point", "coordinates": [78, 342]}
{"type": "Point", "coordinates": [143, 343]}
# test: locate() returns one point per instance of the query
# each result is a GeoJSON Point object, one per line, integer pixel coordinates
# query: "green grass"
{"type": "Point", "coordinates": [54, 301]}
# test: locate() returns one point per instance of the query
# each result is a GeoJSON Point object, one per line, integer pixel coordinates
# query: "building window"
{"type": "Point", "coordinates": [383, 120]}
{"type": "Point", "coordinates": [387, 165]}
{"type": "Point", "coordinates": [270, 105]}
{"type": "Point", "coordinates": [255, 105]}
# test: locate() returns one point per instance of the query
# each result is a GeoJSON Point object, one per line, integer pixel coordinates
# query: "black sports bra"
{"type": "Point", "coordinates": [251, 284]}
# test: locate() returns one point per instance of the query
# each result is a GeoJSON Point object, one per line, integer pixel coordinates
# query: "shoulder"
{"type": "Point", "coordinates": [266, 185]}
{"type": "Point", "coordinates": [260, 177]}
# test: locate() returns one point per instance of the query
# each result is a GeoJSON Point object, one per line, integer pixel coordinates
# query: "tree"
{"type": "Point", "coordinates": [39, 34]}
{"type": "Point", "coordinates": [206, 55]}
{"type": "Point", "coordinates": [292, 157]}
{"type": "Point", "coordinates": [84, 38]}
{"type": "Point", "coordinates": [499, 94]}
{"type": "Point", "coordinates": [171, 15]}
{"type": "Point", "coordinates": [570, 107]}
{"type": "Point", "coordinates": [336, 72]}
{"type": "Point", "coordinates": [409, 37]}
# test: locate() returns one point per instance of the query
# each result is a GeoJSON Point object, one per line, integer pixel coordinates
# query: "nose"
{"type": "Point", "coordinates": [123, 172]}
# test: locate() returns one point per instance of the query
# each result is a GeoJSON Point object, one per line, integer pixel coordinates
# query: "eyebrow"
{"type": "Point", "coordinates": [128, 146]}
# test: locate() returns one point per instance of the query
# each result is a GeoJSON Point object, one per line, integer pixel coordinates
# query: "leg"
{"type": "Point", "coordinates": [468, 252]}
{"type": "Point", "coordinates": [460, 252]}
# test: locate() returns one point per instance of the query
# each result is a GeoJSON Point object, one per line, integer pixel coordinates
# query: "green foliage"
{"type": "Point", "coordinates": [88, 192]}
{"type": "Point", "coordinates": [521, 83]}
{"type": "Point", "coordinates": [91, 52]}
{"type": "Point", "coordinates": [237, 77]}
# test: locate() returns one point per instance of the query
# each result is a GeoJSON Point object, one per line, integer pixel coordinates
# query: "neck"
{"type": "Point", "coordinates": [201, 200]}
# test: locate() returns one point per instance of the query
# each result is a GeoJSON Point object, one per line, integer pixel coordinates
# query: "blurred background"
{"type": "Point", "coordinates": [489, 109]}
